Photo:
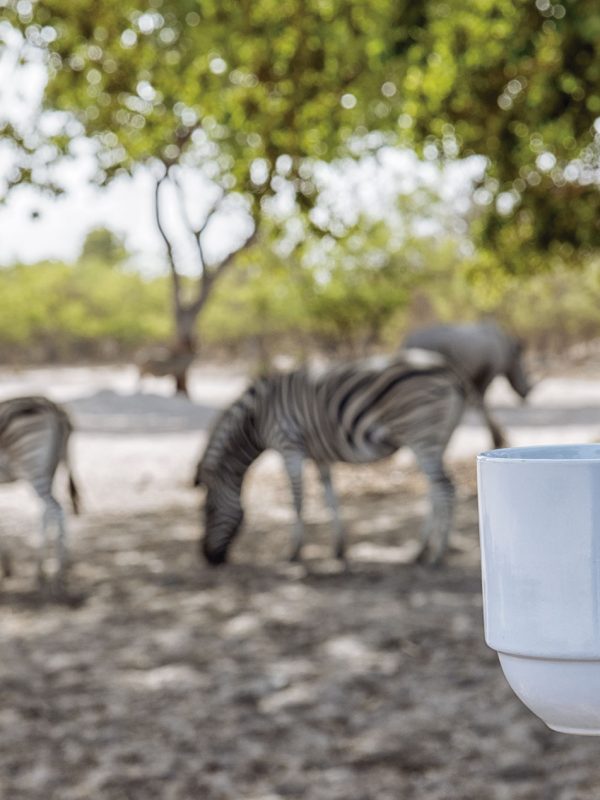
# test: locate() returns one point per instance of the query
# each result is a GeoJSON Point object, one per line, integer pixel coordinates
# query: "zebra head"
{"type": "Point", "coordinates": [232, 446]}
{"type": "Point", "coordinates": [223, 515]}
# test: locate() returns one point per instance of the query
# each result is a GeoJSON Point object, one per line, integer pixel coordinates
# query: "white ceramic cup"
{"type": "Point", "coordinates": [539, 521]}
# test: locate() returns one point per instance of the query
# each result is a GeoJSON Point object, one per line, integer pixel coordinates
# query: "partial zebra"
{"type": "Point", "coordinates": [359, 412]}
{"type": "Point", "coordinates": [34, 435]}
{"type": "Point", "coordinates": [480, 351]}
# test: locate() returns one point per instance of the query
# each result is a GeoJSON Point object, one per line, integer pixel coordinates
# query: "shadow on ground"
{"type": "Point", "coordinates": [263, 680]}
{"type": "Point", "coordinates": [115, 412]}
{"type": "Point", "coordinates": [531, 416]}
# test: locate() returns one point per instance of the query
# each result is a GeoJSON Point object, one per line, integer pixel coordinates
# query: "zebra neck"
{"type": "Point", "coordinates": [241, 448]}
{"type": "Point", "coordinates": [243, 454]}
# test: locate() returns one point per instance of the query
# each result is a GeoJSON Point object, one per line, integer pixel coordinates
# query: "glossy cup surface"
{"type": "Point", "coordinates": [539, 511]}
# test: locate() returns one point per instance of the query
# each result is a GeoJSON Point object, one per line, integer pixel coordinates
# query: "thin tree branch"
{"type": "Point", "coordinates": [220, 268]}
{"type": "Point", "coordinates": [217, 271]}
{"type": "Point", "coordinates": [210, 213]}
{"type": "Point", "coordinates": [186, 219]}
{"type": "Point", "coordinates": [199, 231]}
{"type": "Point", "coordinates": [170, 255]}
{"type": "Point", "coordinates": [196, 232]}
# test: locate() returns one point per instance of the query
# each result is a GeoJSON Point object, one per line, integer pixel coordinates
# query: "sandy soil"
{"type": "Point", "coordinates": [162, 678]}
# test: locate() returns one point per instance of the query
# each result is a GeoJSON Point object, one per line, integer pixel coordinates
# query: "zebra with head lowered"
{"type": "Point", "coordinates": [358, 413]}
{"type": "Point", "coordinates": [34, 435]}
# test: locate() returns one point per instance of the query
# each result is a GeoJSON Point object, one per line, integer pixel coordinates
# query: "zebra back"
{"type": "Point", "coordinates": [34, 434]}
{"type": "Point", "coordinates": [31, 406]}
{"type": "Point", "coordinates": [332, 414]}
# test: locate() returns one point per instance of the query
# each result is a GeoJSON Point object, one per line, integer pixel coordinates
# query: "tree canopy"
{"type": "Point", "coordinates": [236, 85]}
{"type": "Point", "coordinates": [518, 82]}
{"type": "Point", "coordinates": [253, 92]}
{"type": "Point", "coordinates": [104, 246]}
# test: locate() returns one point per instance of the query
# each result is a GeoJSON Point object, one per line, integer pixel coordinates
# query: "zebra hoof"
{"type": "Point", "coordinates": [435, 558]}
{"type": "Point", "coordinates": [436, 562]}
{"type": "Point", "coordinates": [56, 586]}
{"type": "Point", "coordinates": [429, 558]}
{"type": "Point", "coordinates": [295, 557]}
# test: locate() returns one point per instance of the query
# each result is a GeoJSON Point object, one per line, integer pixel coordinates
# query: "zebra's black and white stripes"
{"type": "Point", "coordinates": [357, 413]}
{"type": "Point", "coordinates": [34, 435]}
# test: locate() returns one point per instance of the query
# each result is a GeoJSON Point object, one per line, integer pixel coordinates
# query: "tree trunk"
{"type": "Point", "coordinates": [185, 347]}
{"type": "Point", "coordinates": [181, 386]}
{"type": "Point", "coordinates": [186, 313]}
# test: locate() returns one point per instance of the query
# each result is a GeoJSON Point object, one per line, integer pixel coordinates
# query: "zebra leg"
{"type": "Point", "coordinates": [443, 504]}
{"type": "Point", "coordinates": [339, 549]}
{"type": "Point", "coordinates": [43, 546]}
{"type": "Point", "coordinates": [436, 529]}
{"type": "Point", "coordinates": [62, 551]}
{"type": "Point", "coordinates": [427, 530]}
{"type": "Point", "coordinates": [53, 517]}
{"type": "Point", "coordinates": [293, 464]}
{"type": "Point", "coordinates": [441, 494]}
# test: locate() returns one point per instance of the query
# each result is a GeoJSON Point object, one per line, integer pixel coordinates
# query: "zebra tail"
{"type": "Point", "coordinates": [73, 490]}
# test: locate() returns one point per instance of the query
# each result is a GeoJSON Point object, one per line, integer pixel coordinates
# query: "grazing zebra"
{"type": "Point", "coordinates": [34, 434]}
{"type": "Point", "coordinates": [358, 413]}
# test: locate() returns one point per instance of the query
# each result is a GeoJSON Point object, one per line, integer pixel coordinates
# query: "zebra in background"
{"type": "Point", "coordinates": [481, 351]}
{"type": "Point", "coordinates": [357, 413]}
{"type": "Point", "coordinates": [34, 435]}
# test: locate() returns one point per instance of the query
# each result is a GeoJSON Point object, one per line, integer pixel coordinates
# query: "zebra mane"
{"type": "Point", "coordinates": [233, 443]}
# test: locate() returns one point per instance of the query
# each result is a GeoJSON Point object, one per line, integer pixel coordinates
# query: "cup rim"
{"type": "Point", "coordinates": [588, 453]}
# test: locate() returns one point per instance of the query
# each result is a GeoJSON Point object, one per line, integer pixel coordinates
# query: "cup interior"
{"type": "Point", "coordinates": [551, 452]}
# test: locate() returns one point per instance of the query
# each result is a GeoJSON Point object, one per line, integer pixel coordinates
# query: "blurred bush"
{"type": "Point", "coordinates": [345, 297]}
{"type": "Point", "coordinates": [550, 310]}
{"type": "Point", "coordinates": [93, 309]}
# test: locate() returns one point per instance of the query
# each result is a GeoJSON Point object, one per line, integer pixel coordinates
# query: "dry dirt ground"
{"type": "Point", "coordinates": [162, 678]}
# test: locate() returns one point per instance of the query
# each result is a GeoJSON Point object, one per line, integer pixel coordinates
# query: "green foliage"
{"type": "Point", "coordinates": [347, 303]}
{"type": "Point", "coordinates": [60, 310]}
{"type": "Point", "coordinates": [518, 82]}
{"type": "Point", "coordinates": [252, 94]}
{"type": "Point", "coordinates": [549, 309]}
{"type": "Point", "coordinates": [260, 299]}
{"type": "Point", "coordinates": [103, 245]}
{"type": "Point", "coordinates": [342, 295]}
{"type": "Point", "coordinates": [358, 286]}
{"type": "Point", "coordinates": [555, 309]}
{"type": "Point", "coordinates": [233, 86]}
